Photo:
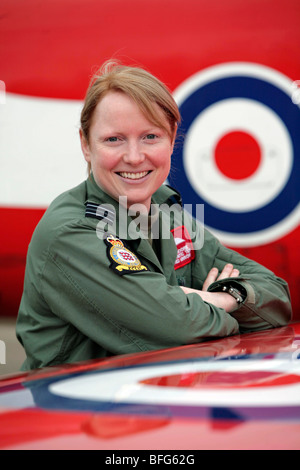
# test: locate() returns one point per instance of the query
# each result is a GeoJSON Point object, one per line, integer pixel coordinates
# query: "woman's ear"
{"type": "Point", "coordinates": [85, 146]}
{"type": "Point", "coordinates": [174, 136]}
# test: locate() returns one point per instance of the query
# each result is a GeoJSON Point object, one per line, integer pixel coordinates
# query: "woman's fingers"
{"type": "Point", "coordinates": [228, 271]}
{"type": "Point", "coordinates": [235, 273]}
{"type": "Point", "coordinates": [213, 275]}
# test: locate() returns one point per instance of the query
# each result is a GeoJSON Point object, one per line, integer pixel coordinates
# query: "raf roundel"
{"type": "Point", "coordinates": [240, 156]}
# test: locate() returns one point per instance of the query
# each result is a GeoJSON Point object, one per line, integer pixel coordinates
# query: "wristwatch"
{"type": "Point", "coordinates": [234, 293]}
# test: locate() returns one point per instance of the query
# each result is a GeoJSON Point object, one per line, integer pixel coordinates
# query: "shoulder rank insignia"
{"type": "Point", "coordinates": [103, 212]}
{"type": "Point", "coordinates": [123, 261]}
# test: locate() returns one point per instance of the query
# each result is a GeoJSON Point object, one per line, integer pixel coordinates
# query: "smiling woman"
{"type": "Point", "coordinates": [151, 96]}
{"type": "Point", "coordinates": [128, 155]}
{"type": "Point", "coordinates": [93, 289]}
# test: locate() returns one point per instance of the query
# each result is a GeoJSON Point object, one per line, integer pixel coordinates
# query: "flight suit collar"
{"type": "Point", "coordinates": [123, 227]}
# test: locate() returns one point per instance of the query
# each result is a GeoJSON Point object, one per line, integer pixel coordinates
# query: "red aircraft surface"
{"type": "Point", "coordinates": [241, 392]}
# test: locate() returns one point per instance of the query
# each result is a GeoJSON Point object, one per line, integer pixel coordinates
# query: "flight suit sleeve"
{"type": "Point", "coordinates": [135, 312]}
{"type": "Point", "coordinates": [267, 301]}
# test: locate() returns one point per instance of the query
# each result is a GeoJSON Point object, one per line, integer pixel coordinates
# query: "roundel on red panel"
{"type": "Point", "coordinates": [240, 152]}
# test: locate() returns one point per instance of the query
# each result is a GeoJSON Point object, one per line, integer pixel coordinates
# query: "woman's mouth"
{"type": "Point", "coordinates": [133, 176]}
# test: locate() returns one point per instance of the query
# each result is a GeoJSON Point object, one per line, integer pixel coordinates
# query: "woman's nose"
{"type": "Point", "coordinates": [134, 154]}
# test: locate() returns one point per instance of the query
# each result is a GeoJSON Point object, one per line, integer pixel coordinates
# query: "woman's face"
{"type": "Point", "coordinates": [129, 155]}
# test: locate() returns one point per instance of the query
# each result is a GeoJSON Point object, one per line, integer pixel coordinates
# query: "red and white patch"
{"type": "Point", "coordinates": [185, 250]}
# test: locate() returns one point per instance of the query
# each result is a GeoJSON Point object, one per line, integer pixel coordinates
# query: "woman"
{"type": "Point", "coordinates": [116, 265]}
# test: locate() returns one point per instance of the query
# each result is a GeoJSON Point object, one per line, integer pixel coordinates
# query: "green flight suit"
{"type": "Point", "coordinates": [83, 300]}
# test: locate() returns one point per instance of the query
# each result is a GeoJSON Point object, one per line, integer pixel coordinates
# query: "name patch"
{"type": "Point", "coordinates": [185, 251]}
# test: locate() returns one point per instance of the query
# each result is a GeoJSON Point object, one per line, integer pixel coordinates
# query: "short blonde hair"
{"type": "Point", "coordinates": [145, 89]}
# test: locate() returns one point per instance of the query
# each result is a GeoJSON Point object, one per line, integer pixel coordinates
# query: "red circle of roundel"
{"type": "Point", "coordinates": [228, 152]}
{"type": "Point", "coordinates": [225, 380]}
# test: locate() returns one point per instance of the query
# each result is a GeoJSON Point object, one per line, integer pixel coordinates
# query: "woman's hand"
{"type": "Point", "coordinates": [218, 299]}
{"type": "Point", "coordinates": [228, 271]}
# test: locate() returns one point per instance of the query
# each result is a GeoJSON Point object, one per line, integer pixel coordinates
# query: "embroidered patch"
{"type": "Point", "coordinates": [185, 251]}
{"type": "Point", "coordinates": [123, 261]}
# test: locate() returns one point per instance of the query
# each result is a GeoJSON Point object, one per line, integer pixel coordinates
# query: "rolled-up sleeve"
{"type": "Point", "coordinates": [267, 301]}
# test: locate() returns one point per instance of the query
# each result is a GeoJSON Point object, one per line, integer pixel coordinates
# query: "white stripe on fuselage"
{"type": "Point", "coordinates": [40, 154]}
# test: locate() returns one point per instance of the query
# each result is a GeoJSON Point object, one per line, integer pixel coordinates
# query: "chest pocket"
{"type": "Point", "coordinates": [184, 276]}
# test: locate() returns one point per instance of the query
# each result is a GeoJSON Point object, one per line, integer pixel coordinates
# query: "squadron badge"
{"type": "Point", "coordinates": [123, 261]}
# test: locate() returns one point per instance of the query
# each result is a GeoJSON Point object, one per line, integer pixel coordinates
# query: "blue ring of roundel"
{"type": "Point", "coordinates": [277, 100]}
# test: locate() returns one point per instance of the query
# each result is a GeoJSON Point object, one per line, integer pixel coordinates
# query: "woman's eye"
{"type": "Point", "coordinates": [112, 139]}
{"type": "Point", "coordinates": [151, 136]}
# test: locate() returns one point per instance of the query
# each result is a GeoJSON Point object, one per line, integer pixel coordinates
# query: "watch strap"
{"type": "Point", "coordinates": [234, 292]}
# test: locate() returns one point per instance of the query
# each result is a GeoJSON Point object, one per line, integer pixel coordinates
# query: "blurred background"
{"type": "Point", "coordinates": [234, 69]}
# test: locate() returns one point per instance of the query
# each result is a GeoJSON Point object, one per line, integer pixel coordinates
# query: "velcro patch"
{"type": "Point", "coordinates": [185, 250]}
